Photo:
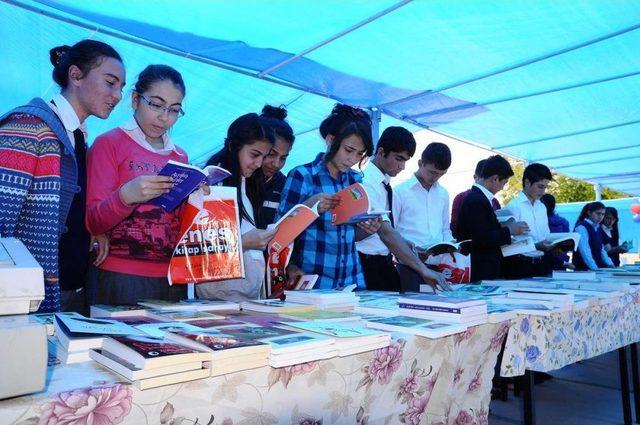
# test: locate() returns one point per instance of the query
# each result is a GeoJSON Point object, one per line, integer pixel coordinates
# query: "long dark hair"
{"type": "Point", "coordinates": [615, 233]}
{"type": "Point", "coordinates": [589, 208]}
{"type": "Point", "coordinates": [85, 54]}
{"type": "Point", "coordinates": [244, 130]}
{"type": "Point", "coordinates": [343, 122]}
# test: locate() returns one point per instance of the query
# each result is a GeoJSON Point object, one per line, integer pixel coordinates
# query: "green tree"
{"type": "Point", "coordinates": [563, 188]}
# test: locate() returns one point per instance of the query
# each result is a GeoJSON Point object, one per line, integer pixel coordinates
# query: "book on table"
{"type": "Point", "coordinates": [186, 178]}
{"type": "Point", "coordinates": [573, 275]}
{"type": "Point", "coordinates": [306, 281]}
{"type": "Point", "coordinates": [353, 206]}
{"type": "Point", "coordinates": [499, 313]}
{"type": "Point", "coordinates": [137, 320]}
{"type": "Point", "coordinates": [182, 315]}
{"type": "Point", "coordinates": [557, 297]}
{"type": "Point", "coordinates": [194, 304]}
{"type": "Point", "coordinates": [440, 301]}
{"type": "Point", "coordinates": [133, 373]}
{"type": "Point", "coordinates": [535, 308]}
{"type": "Point", "coordinates": [174, 378]}
{"type": "Point", "coordinates": [323, 316]}
{"type": "Point", "coordinates": [274, 306]}
{"type": "Point", "coordinates": [254, 332]}
{"type": "Point", "coordinates": [148, 352]}
{"type": "Point", "coordinates": [82, 333]}
{"type": "Point", "coordinates": [292, 224]}
{"type": "Point", "coordinates": [159, 329]}
{"type": "Point", "coordinates": [215, 323]}
{"type": "Point", "coordinates": [47, 319]}
{"type": "Point", "coordinates": [416, 326]}
{"type": "Point", "coordinates": [103, 310]}
{"type": "Point", "coordinates": [58, 351]}
{"type": "Point", "coordinates": [299, 347]}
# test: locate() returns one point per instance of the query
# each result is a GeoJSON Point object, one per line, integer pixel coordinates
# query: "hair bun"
{"type": "Point", "coordinates": [343, 110]}
{"type": "Point", "coordinates": [277, 112]}
{"type": "Point", "coordinates": [56, 54]}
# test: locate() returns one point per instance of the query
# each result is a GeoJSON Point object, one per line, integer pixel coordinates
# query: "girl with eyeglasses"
{"type": "Point", "coordinates": [43, 167]}
{"type": "Point", "coordinates": [590, 254]}
{"type": "Point", "coordinates": [324, 249]}
{"type": "Point", "coordinates": [123, 177]}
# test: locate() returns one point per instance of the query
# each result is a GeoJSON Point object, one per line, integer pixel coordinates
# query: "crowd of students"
{"type": "Point", "coordinates": [64, 201]}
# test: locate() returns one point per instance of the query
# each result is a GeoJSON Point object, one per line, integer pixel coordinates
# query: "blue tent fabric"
{"type": "Point", "coordinates": [539, 80]}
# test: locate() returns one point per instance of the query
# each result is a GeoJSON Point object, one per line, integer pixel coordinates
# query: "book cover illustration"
{"type": "Point", "coordinates": [217, 341]}
{"type": "Point", "coordinates": [158, 330]}
{"type": "Point", "coordinates": [186, 178]}
{"type": "Point", "coordinates": [338, 330]}
{"type": "Point", "coordinates": [353, 206]}
{"type": "Point", "coordinates": [152, 347]}
{"type": "Point", "coordinates": [292, 224]}
{"type": "Point", "coordinates": [85, 325]}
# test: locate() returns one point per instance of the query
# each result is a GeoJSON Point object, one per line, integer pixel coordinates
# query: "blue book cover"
{"type": "Point", "coordinates": [186, 178]}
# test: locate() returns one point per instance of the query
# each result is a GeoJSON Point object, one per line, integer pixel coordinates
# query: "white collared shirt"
{"type": "Point", "coordinates": [535, 215]}
{"type": "Point", "coordinates": [373, 182]}
{"type": "Point", "coordinates": [63, 109]}
{"type": "Point", "coordinates": [486, 192]}
{"type": "Point", "coordinates": [420, 215]}
{"type": "Point", "coordinates": [132, 128]}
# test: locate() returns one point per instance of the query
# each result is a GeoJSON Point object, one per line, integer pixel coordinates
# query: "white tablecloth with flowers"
{"type": "Point", "coordinates": [414, 380]}
{"type": "Point", "coordinates": [543, 344]}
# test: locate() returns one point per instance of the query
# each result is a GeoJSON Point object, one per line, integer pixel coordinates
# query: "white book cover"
{"type": "Point", "coordinates": [132, 373]}
{"type": "Point", "coordinates": [416, 326]}
{"type": "Point", "coordinates": [518, 245]}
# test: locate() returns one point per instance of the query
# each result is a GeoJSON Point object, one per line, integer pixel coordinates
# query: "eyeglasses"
{"type": "Point", "coordinates": [174, 111]}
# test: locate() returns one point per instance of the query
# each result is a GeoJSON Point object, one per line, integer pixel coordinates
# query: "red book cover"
{"type": "Point", "coordinates": [211, 246]}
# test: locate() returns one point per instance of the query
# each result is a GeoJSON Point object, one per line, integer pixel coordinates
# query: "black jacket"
{"type": "Point", "coordinates": [477, 221]}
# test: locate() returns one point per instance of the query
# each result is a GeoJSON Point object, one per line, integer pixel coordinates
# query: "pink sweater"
{"type": "Point", "coordinates": [141, 237]}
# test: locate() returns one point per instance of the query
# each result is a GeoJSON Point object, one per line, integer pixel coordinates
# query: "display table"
{"type": "Point", "coordinates": [414, 380]}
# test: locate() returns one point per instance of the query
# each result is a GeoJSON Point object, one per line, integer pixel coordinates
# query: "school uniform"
{"type": "Point", "coordinates": [477, 221]}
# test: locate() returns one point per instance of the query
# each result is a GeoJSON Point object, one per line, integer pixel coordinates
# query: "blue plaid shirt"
{"type": "Point", "coordinates": [323, 249]}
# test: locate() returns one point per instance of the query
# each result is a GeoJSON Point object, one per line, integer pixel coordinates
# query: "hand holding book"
{"type": "Point", "coordinates": [145, 188]}
{"type": "Point", "coordinates": [324, 202]}
{"type": "Point", "coordinates": [257, 239]}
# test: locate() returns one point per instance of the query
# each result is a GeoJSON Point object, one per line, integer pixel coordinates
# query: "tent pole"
{"type": "Point", "coordinates": [376, 117]}
{"type": "Point", "coordinates": [598, 189]}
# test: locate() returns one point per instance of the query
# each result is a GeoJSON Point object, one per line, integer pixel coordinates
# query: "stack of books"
{"type": "Point", "coordinates": [349, 338]}
{"type": "Point", "coordinates": [416, 326]}
{"type": "Point", "coordinates": [299, 347]}
{"type": "Point", "coordinates": [469, 312]}
{"type": "Point", "coordinates": [228, 353]}
{"type": "Point", "coordinates": [76, 335]}
{"type": "Point", "coordinates": [323, 316]}
{"type": "Point", "coordinates": [573, 275]}
{"type": "Point", "coordinates": [324, 298]}
{"type": "Point", "coordinates": [159, 329]}
{"type": "Point", "coordinates": [518, 306]}
{"type": "Point", "coordinates": [151, 362]}
{"type": "Point", "coordinates": [383, 306]}
{"type": "Point", "coordinates": [48, 319]}
{"type": "Point", "coordinates": [563, 301]}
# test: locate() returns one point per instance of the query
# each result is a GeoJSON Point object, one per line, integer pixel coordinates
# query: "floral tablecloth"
{"type": "Point", "coordinates": [543, 344]}
{"type": "Point", "coordinates": [413, 381]}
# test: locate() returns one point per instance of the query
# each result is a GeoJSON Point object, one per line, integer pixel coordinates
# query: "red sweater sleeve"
{"type": "Point", "coordinates": [105, 209]}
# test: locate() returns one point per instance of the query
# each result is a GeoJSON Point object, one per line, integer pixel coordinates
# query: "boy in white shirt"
{"type": "Point", "coordinates": [421, 207]}
{"type": "Point", "coordinates": [528, 208]}
{"type": "Point", "coordinates": [396, 146]}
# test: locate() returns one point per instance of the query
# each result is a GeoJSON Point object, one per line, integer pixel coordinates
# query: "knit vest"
{"type": "Point", "coordinates": [36, 233]}
{"type": "Point", "coordinates": [595, 245]}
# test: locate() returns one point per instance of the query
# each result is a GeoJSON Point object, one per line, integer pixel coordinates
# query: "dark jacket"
{"type": "Point", "coordinates": [477, 221]}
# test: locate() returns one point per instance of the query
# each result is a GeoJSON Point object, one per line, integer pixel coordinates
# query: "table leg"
{"type": "Point", "coordinates": [529, 398]}
{"type": "Point", "coordinates": [624, 385]}
{"type": "Point", "coordinates": [635, 379]}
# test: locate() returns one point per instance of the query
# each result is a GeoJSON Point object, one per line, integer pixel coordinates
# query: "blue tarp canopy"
{"type": "Point", "coordinates": [548, 81]}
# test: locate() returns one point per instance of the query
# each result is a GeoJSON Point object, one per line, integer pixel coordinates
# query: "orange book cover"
{"type": "Point", "coordinates": [291, 225]}
{"type": "Point", "coordinates": [353, 206]}
{"type": "Point", "coordinates": [211, 245]}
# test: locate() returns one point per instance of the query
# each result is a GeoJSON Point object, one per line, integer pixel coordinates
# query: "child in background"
{"type": "Point", "coordinates": [611, 236]}
{"type": "Point", "coordinates": [591, 254]}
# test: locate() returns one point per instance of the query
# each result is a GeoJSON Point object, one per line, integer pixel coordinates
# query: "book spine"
{"type": "Point", "coordinates": [431, 308]}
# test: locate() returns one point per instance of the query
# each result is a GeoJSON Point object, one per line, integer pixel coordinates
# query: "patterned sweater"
{"type": "Point", "coordinates": [37, 183]}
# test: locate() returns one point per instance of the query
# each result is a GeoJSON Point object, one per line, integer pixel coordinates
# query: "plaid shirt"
{"type": "Point", "coordinates": [323, 249]}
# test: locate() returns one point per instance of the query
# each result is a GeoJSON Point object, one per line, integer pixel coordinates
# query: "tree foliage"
{"type": "Point", "coordinates": [563, 188]}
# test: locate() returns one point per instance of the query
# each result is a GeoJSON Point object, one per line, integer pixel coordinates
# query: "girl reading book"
{"type": "Point", "coordinates": [591, 254]}
{"type": "Point", "coordinates": [42, 162]}
{"type": "Point", "coordinates": [123, 177]}
{"type": "Point", "coordinates": [324, 249]}
{"type": "Point", "coordinates": [249, 140]}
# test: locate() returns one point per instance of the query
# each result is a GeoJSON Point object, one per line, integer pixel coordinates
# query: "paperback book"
{"type": "Point", "coordinates": [416, 326]}
{"type": "Point", "coordinates": [353, 206]}
{"type": "Point", "coordinates": [294, 222]}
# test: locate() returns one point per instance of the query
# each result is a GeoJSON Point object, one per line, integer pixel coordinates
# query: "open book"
{"type": "Point", "coordinates": [354, 206]}
{"type": "Point", "coordinates": [186, 178]}
{"type": "Point", "coordinates": [438, 248]}
{"type": "Point", "coordinates": [519, 245]}
{"type": "Point", "coordinates": [291, 225]}
{"type": "Point", "coordinates": [564, 241]}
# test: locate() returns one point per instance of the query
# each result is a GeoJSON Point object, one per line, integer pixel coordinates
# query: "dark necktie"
{"type": "Point", "coordinates": [387, 187]}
